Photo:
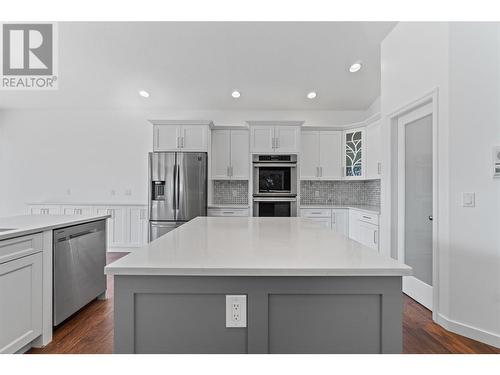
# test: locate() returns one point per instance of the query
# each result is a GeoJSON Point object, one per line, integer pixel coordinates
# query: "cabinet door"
{"type": "Point", "coordinates": [354, 228]}
{"type": "Point", "coordinates": [221, 154]}
{"type": "Point", "coordinates": [340, 221]}
{"type": "Point", "coordinates": [194, 138]}
{"type": "Point", "coordinates": [373, 150]}
{"type": "Point", "coordinates": [261, 139]}
{"type": "Point", "coordinates": [287, 139]}
{"type": "Point", "coordinates": [166, 138]}
{"type": "Point", "coordinates": [309, 155]}
{"type": "Point", "coordinates": [354, 154]}
{"type": "Point", "coordinates": [369, 235]}
{"type": "Point", "coordinates": [330, 155]}
{"type": "Point", "coordinates": [136, 223]}
{"type": "Point", "coordinates": [240, 163]}
{"type": "Point", "coordinates": [21, 296]}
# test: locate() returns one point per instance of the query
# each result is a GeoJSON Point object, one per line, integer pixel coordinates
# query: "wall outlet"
{"type": "Point", "coordinates": [234, 192]}
{"type": "Point", "coordinates": [68, 191]}
{"type": "Point", "coordinates": [236, 311]}
{"type": "Point", "coordinates": [128, 192]}
{"type": "Point", "coordinates": [113, 192]}
{"type": "Point", "coordinates": [316, 193]}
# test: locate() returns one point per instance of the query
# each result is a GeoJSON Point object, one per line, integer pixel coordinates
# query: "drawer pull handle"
{"type": "Point", "coordinates": [367, 217]}
{"type": "Point", "coordinates": [228, 212]}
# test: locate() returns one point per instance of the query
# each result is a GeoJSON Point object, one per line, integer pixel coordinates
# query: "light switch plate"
{"type": "Point", "coordinates": [236, 310]}
{"type": "Point", "coordinates": [468, 199]}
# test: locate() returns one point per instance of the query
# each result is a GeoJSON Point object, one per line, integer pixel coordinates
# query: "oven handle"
{"type": "Point", "coordinates": [274, 199]}
{"type": "Point", "coordinates": [291, 165]}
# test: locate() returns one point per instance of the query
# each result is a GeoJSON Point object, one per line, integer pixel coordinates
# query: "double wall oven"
{"type": "Point", "coordinates": [274, 185]}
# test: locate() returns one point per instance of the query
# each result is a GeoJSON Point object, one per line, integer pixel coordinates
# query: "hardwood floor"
{"type": "Point", "coordinates": [90, 331]}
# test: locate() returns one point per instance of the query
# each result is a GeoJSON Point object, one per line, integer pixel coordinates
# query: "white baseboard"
{"type": "Point", "coordinates": [474, 333]}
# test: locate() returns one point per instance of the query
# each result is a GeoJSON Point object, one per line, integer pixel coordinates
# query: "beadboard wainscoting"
{"type": "Point", "coordinates": [340, 192]}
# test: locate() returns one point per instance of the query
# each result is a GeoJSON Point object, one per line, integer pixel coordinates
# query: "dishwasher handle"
{"type": "Point", "coordinates": [71, 236]}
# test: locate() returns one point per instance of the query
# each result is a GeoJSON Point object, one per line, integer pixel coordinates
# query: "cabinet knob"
{"type": "Point", "coordinates": [431, 217]}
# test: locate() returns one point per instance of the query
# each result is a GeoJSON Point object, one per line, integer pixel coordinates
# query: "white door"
{"type": "Point", "coordinates": [415, 202]}
{"type": "Point", "coordinates": [221, 154]}
{"type": "Point", "coordinates": [373, 151]}
{"type": "Point", "coordinates": [287, 139]}
{"type": "Point", "coordinates": [166, 138]}
{"type": "Point", "coordinates": [330, 155]}
{"type": "Point", "coordinates": [262, 139]}
{"type": "Point", "coordinates": [194, 138]}
{"type": "Point", "coordinates": [309, 156]}
{"type": "Point", "coordinates": [240, 163]}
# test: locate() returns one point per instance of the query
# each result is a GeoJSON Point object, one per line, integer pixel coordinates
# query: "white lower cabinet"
{"type": "Point", "coordinates": [340, 221]}
{"type": "Point", "coordinates": [228, 212]}
{"type": "Point", "coordinates": [363, 228]}
{"type": "Point", "coordinates": [335, 219]}
{"type": "Point", "coordinates": [137, 226]}
{"type": "Point", "coordinates": [20, 292]}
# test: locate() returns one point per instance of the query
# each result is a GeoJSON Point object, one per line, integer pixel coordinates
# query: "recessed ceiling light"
{"type": "Point", "coordinates": [311, 95]}
{"type": "Point", "coordinates": [355, 67]}
{"type": "Point", "coordinates": [144, 94]}
{"type": "Point", "coordinates": [236, 94]}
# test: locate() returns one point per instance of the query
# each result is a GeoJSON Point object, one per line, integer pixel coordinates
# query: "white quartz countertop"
{"type": "Point", "coordinates": [360, 207]}
{"type": "Point", "coordinates": [255, 246]}
{"type": "Point", "coordinates": [26, 224]}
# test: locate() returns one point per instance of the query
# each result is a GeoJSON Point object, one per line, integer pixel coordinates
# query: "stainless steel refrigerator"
{"type": "Point", "coordinates": [177, 190]}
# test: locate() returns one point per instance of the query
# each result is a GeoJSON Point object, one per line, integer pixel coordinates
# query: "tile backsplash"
{"type": "Point", "coordinates": [230, 192]}
{"type": "Point", "coordinates": [340, 192]}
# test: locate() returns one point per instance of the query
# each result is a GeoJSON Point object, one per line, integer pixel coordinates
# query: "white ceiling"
{"type": "Point", "coordinates": [196, 66]}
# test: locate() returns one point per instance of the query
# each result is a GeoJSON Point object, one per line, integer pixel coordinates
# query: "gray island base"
{"type": "Point", "coordinates": [343, 298]}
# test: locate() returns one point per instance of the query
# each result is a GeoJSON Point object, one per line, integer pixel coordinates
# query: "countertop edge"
{"type": "Point", "coordinates": [228, 272]}
{"type": "Point", "coordinates": [36, 229]}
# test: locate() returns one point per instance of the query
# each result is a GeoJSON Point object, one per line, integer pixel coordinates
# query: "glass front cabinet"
{"type": "Point", "coordinates": [354, 153]}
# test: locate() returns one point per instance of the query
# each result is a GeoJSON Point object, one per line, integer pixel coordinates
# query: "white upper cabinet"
{"type": "Point", "coordinates": [262, 139]}
{"type": "Point", "coordinates": [373, 151]}
{"type": "Point", "coordinates": [221, 154]}
{"type": "Point", "coordinates": [287, 139]}
{"type": "Point", "coordinates": [230, 154]}
{"type": "Point", "coordinates": [330, 155]}
{"type": "Point", "coordinates": [309, 156]}
{"type": "Point", "coordinates": [240, 155]}
{"type": "Point", "coordinates": [275, 138]}
{"type": "Point", "coordinates": [354, 154]}
{"type": "Point", "coordinates": [321, 155]}
{"type": "Point", "coordinates": [180, 135]}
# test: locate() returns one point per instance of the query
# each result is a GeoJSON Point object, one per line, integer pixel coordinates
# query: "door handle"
{"type": "Point", "coordinates": [277, 143]}
{"type": "Point", "coordinates": [375, 236]}
{"type": "Point", "coordinates": [431, 218]}
{"type": "Point", "coordinates": [320, 171]}
{"type": "Point", "coordinates": [379, 168]}
{"type": "Point", "coordinates": [177, 144]}
{"type": "Point", "coordinates": [274, 142]}
{"type": "Point", "coordinates": [182, 142]}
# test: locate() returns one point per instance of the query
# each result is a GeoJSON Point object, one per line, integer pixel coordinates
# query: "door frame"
{"type": "Point", "coordinates": [422, 107]}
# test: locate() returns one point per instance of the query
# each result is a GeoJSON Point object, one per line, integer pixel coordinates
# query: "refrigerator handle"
{"type": "Point", "coordinates": [174, 195]}
{"type": "Point", "coordinates": [178, 189]}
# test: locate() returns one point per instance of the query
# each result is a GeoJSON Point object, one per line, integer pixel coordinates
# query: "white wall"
{"type": "Point", "coordinates": [474, 274]}
{"type": "Point", "coordinates": [461, 61]}
{"type": "Point", "coordinates": [43, 153]}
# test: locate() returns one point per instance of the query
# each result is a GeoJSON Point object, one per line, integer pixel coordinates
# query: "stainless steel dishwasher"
{"type": "Point", "coordinates": [79, 261]}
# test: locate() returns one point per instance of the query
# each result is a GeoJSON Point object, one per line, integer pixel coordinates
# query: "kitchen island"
{"type": "Point", "coordinates": [308, 290]}
{"type": "Point", "coordinates": [27, 275]}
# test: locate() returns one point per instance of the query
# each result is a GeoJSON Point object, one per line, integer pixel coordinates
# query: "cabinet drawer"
{"type": "Point", "coordinates": [239, 212]}
{"type": "Point", "coordinates": [364, 216]}
{"type": "Point", "coordinates": [19, 247]}
{"type": "Point", "coordinates": [315, 212]}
